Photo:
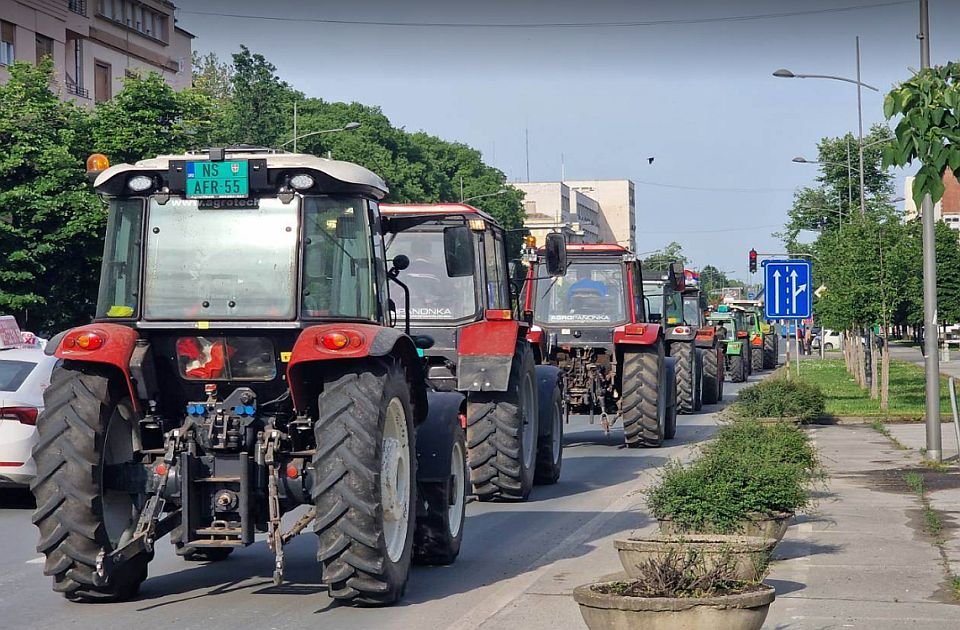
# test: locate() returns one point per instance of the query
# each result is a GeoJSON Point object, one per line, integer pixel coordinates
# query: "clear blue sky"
{"type": "Point", "coordinates": [698, 96]}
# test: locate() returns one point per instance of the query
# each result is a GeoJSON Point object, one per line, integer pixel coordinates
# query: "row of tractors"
{"type": "Point", "coordinates": [269, 336]}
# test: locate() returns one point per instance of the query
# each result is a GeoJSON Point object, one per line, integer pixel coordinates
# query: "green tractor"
{"type": "Point", "coordinates": [764, 342]}
{"type": "Point", "coordinates": [734, 331]}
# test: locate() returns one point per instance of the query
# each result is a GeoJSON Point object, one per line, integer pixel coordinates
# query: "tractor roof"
{"type": "Point", "coordinates": [435, 209]}
{"type": "Point", "coordinates": [596, 248]}
{"type": "Point", "coordinates": [342, 176]}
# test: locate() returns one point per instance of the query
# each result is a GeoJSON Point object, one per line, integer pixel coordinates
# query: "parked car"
{"type": "Point", "coordinates": [830, 339]}
{"type": "Point", "coordinates": [24, 374]}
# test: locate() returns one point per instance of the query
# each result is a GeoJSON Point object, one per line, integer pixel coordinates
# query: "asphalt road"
{"type": "Point", "coordinates": [516, 569]}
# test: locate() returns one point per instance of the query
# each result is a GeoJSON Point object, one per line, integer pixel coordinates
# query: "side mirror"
{"type": "Point", "coordinates": [679, 279]}
{"type": "Point", "coordinates": [556, 255]}
{"type": "Point", "coordinates": [458, 251]}
{"type": "Point", "coordinates": [423, 342]}
{"type": "Point", "coordinates": [401, 262]}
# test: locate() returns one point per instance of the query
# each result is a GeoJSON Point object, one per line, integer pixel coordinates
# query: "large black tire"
{"type": "Point", "coordinates": [770, 351]}
{"type": "Point", "coordinates": [756, 359]}
{"type": "Point", "coordinates": [439, 531]}
{"type": "Point", "coordinates": [86, 426]}
{"type": "Point", "coordinates": [738, 368]}
{"type": "Point", "coordinates": [711, 377]}
{"type": "Point", "coordinates": [550, 445]}
{"type": "Point", "coordinates": [358, 406]}
{"type": "Point", "coordinates": [698, 372]}
{"type": "Point", "coordinates": [502, 434]}
{"type": "Point", "coordinates": [642, 401]}
{"type": "Point", "coordinates": [685, 354]}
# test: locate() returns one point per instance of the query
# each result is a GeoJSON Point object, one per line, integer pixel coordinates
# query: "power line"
{"type": "Point", "coordinates": [737, 229]}
{"type": "Point", "coordinates": [549, 25]}
{"type": "Point", "coordinates": [713, 189]}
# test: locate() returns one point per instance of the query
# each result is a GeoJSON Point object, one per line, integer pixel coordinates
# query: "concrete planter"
{"type": "Point", "coordinates": [763, 525]}
{"type": "Point", "coordinates": [746, 611]}
{"type": "Point", "coordinates": [748, 555]}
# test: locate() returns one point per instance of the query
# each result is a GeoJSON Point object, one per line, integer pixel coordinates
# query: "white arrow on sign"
{"type": "Point", "coordinates": [796, 290]}
{"type": "Point", "coordinates": [776, 291]}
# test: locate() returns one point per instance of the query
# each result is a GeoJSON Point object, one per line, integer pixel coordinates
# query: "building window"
{"type": "Point", "coordinates": [44, 48]}
{"type": "Point", "coordinates": [8, 36]}
{"type": "Point", "coordinates": [77, 6]}
{"type": "Point", "coordinates": [134, 16]}
{"type": "Point", "coordinates": [102, 82]}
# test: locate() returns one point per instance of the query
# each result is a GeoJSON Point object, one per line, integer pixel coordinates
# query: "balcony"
{"type": "Point", "coordinates": [78, 6]}
{"type": "Point", "coordinates": [77, 90]}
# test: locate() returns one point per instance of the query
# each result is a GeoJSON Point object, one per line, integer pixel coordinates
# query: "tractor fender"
{"type": "Point", "coordinates": [436, 435]}
{"type": "Point", "coordinates": [734, 348]}
{"type": "Point", "coordinates": [374, 341]}
{"type": "Point", "coordinates": [485, 355]}
{"type": "Point", "coordinates": [115, 351]}
{"type": "Point", "coordinates": [706, 337]}
{"type": "Point", "coordinates": [549, 378]}
{"type": "Point", "coordinates": [637, 334]}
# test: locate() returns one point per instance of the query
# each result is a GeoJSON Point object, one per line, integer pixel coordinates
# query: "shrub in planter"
{"type": "Point", "coordinates": [676, 590]}
{"type": "Point", "coordinates": [746, 556]}
{"type": "Point", "coordinates": [780, 398]}
{"type": "Point", "coordinates": [777, 443]}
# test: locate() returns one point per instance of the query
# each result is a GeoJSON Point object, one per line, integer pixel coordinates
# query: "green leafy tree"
{"type": "Point", "coordinates": [148, 118]}
{"type": "Point", "coordinates": [929, 127]}
{"type": "Point", "coordinates": [212, 76]}
{"type": "Point", "coordinates": [261, 106]}
{"type": "Point", "coordinates": [661, 259]}
{"type": "Point", "coordinates": [50, 222]}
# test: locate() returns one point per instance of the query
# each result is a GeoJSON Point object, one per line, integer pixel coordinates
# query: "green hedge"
{"type": "Point", "coordinates": [780, 398]}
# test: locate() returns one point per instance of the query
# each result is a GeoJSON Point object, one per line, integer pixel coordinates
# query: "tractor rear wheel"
{"type": "Point", "coordinates": [365, 491]}
{"type": "Point", "coordinates": [738, 368]}
{"type": "Point", "coordinates": [502, 434]}
{"type": "Point", "coordinates": [440, 528]}
{"type": "Point", "coordinates": [684, 353]}
{"type": "Point", "coordinates": [756, 359]}
{"type": "Point", "coordinates": [711, 376]}
{"type": "Point", "coordinates": [550, 447]}
{"type": "Point", "coordinates": [642, 399]}
{"type": "Point", "coordinates": [88, 502]}
{"type": "Point", "coordinates": [770, 351]}
{"type": "Point", "coordinates": [698, 372]}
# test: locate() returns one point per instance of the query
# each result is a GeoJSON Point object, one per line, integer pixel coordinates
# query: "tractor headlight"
{"type": "Point", "coordinates": [140, 183]}
{"type": "Point", "coordinates": [302, 182]}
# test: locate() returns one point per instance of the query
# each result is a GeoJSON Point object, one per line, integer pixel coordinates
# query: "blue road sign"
{"type": "Point", "coordinates": [787, 292]}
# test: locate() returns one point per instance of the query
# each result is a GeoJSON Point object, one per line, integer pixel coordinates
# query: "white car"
{"type": "Point", "coordinates": [830, 339]}
{"type": "Point", "coordinates": [24, 374]}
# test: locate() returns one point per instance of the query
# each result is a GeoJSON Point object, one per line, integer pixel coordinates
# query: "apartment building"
{"type": "Point", "coordinates": [94, 44]}
{"type": "Point", "coordinates": [586, 211]}
{"type": "Point", "coordinates": [946, 210]}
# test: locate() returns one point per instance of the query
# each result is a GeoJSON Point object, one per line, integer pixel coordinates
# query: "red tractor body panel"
{"type": "Point", "coordinates": [116, 348]}
{"type": "Point", "coordinates": [489, 338]}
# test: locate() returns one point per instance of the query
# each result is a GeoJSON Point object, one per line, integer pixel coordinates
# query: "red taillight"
{"type": "Point", "coordinates": [292, 472]}
{"type": "Point", "coordinates": [635, 329]}
{"type": "Point", "coordinates": [160, 469]}
{"type": "Point", "coordinates": [23, 415]}
{"type": "Point", "coordinates": [681, 330]}
{"type": "Point", "coordinates": [340, 340]}
{"type": "Point", "coordinates": [741, 334]}
{"type": "Point", "coordinates": [499, 314]}
{"type": "Point", "coordinates": [85, 340]}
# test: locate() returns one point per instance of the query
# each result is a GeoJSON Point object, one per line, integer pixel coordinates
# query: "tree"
{"type": "Point", "coordinates": [50, 229]}
{"type": "Point", "coordinates": [148, 118]}
{"type": "Point", "coordinates": [212, 77]}
{"type": "Point", "coordinates": [261, 107]}
{"type": "Point", "coordinates": [661, 259]}
{"type": "Point", "coordinates": [929, 130]}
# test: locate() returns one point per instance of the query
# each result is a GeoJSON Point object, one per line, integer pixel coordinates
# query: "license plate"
{"type": "Point", "coordinates": [217, 180]}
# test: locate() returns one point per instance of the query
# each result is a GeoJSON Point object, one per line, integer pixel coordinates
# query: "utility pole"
{"type": "Point", "coordinates": [294, 126]}
{"type": "Point", "coordinates": [930, 317]}
{"type": "Point", "coordinates": [526, 143]}
{"type": "Point", "coordinates": [863, 203]}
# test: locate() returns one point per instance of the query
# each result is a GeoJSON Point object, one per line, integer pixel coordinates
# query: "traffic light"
{"type": "Point", "coordinates": [753, 261]}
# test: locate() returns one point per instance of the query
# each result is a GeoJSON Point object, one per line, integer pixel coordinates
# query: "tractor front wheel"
{"type": "Point", "coordinates": [711, 376]}
{"type": "Point", "coordinates": [685, 354]}
{"type": "Point", "coordinates": [756, 359]}
{"type": "Point", "coordinates": [88, 500]}
{"type": "Point", "coordinates": [440, 529]}
{"type": "Point", "coordinates": [550, 446]}
{"type": "Point", "coordinates": [738, 368]}
{"type": "Point", "coordinates": [365, 491]}
{"type": "Point", "coordinates": [502, 434]}
{"type": "Point", "coordinates": [770, 351]}
{"type": "Point", "coordinates": [642, 399]}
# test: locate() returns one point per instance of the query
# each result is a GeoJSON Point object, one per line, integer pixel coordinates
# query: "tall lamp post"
{"type": "Point", "coordinates": [783, 73]}
{"type": "Point", "coordinates": [502, 191]}
{"type": "Point", "coordinates": [347, 127]}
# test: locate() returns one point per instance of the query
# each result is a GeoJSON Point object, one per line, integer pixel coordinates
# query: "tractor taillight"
{"type": "Point", "coordinates": [341, 340]}
{"type": "Point", "coordinates": [741, 334]}
{"type": "Point", "coordinates": [500, 314]}
{"type": "Point", "coordinates": [635, 329]}
{"type": "Point", "coordinates": [23, 415]}
{"type": "Point", "coordinates": [681, 330]}
{"type": "Point", "coordinates": [86, 340]}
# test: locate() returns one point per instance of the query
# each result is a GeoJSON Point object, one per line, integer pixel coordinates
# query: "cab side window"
{"type": "Point", "coordinates": [492, 291]}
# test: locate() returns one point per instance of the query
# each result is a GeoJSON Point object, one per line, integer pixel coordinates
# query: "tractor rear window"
{"type": "Point", "coordinates": [433, 294]}
{"type": "Point", "coordinates": [205, 264]}
{"type": "Point", "coordinates": [590, 293]}
{"type": "Point", "coordinates": [226, 358]}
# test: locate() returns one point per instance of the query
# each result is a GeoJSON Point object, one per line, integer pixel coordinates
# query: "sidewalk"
{"type": "Point", "coordinates": [864, 560]}
{"type": "Point", "coordinates": [913, 355]}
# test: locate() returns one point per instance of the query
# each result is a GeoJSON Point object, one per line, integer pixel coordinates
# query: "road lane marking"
{"type": "Point", "coordinates": [39, 560]}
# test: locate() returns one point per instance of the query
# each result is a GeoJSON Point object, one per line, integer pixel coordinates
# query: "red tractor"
{"type": "Point", "coordinates": [592, 324]}
{"type": "Point", "coordinates": [460, 295]}
{"type": "Point", "coordinates": [243, 362]}
{"type": "Point", "coordinates": [707, 341]}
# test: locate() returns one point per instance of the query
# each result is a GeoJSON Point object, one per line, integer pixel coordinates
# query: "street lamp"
{"type": "Point", "coordinates": [783, 73]}
{"type": "Point", "coordinates": [493, 194]}
{"type": "Point", "coordinates": [347, 127]}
